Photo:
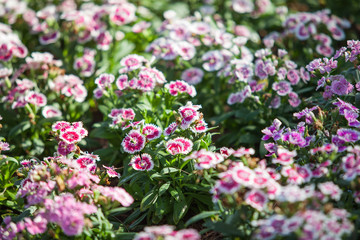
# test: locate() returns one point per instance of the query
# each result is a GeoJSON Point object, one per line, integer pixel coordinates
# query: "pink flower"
{"type": "Point", "coordinates": [179, 86]}
{"type": "Point", "coordinates": [348, 135]}
{"type": "Point", "coordinates": [293, 76]}
{"type": "Point", "coordinates": [227, 183]}
{"type": "Point", "coordinates": [213, 61]}
{"type": "Point", "coordinates": [192, 75]}
{"type": "Point", "coordinates": [179, 145]}
{"type": "Point", "coordinates": [329, 188]}
{"type": "Point", "coordinates": [226, 152]}
{"type": "Point", "coordinates": [104, 80]}
{"type": "Point", "coordinates": [4, 146]}
{"type": "Point", "coordinates": [62, 126]}
{"type": "Point", "coordinates": [142, 163]}
{"type": "Point", "coordinates": [151, 131]}
{"type": "Point", "coordinates": [133, 142]}
{"type": "Point", "coordinates": [70, 136]}
{"type": "Point", "coordinates": [123, 13]}
{"type": "Point", "coordinates": [284, 156]}
{"type": "Point", "coordinates": [200, 126]}
{"type": "Point", "coordinates": [87, 161]}
{"type": "Point", "coordinates": [146, 81]}
{"type": "Point", "coordinates": [116, 194]}
{"type": "Point", "coordinates": [205, 159]}
{"type": "Point", "coordinates": [103, 40]}
{"type": "Point", "coordinates": [140, 26]}
{"type": "Point", "coordinates": [282, 88]}
{"type": "Point", "coordinates": [257, 199]}
{"type": "Point", "coordinates": [37, 99]}
{"type": "Point", "coordinates": [132, 62]}
{"type": "Point", "coordinates": [49, 38]}
{"type": "Point", "coordinates": [187, 234]}
{"type": "Point", "coordinates": [243, 175]}
{"type": "Point", "coordinates": [294, 99]}
{"type": "Point", "coordinates": [340, 86]}
{"type": "Point", "coordinates": [36, 226]}
{"type": "Point", "coordinates": [50, 112]}
{"type": "Point", "coordinates": [243, 6]}
{"type": "Point", "coordinates": [293, 176]}
{"type": "Point", "coordinates": [122, 82]}
{"type": "Point", "coordinates": [170, 129]}
{"type": "Point", "coordinates": [111, 172]}
{"type": "Point", "coordinates": [189, 114]}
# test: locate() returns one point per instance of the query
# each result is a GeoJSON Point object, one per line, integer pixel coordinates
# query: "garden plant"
{"type": "Point", "coordinates": [179, 120]}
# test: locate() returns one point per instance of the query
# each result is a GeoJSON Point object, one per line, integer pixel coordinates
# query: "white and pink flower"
{"type": "Point", "coordinates": [142, 162]}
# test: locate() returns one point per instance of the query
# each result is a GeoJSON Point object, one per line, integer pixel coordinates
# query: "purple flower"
{"type": "Point", "coordinates": [307, 113]}
{"type": "Point", "coordinates": [294, 99]}
{"type": "Point", "coordinates": [348, 135]}
{"type": "Point", "coordinates": [340, 86]}
{"type": "Point", "coordinates": [293, 76]}
{"type": "Point", "coordinates": [273, 131]}
{"type": "Point", "coordinates": [282, 88]}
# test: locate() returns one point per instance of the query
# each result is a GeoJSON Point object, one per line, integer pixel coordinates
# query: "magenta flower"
{"type": "Point", "coordinates": [205, 159]}
{"type": "Point", "coordinates": [340, 86]}
{"type": "Point", "coordinates": [70, 136]}
{"type": "Point", "coordinates": [257, 199]}
{"type": "Point", "coordinates": [213, 61]}
{"type": "Point", "coordinates": [50, 112]}
{"type": "Point", "coordinates": [122, 82]}
{"type": "Point", "coordinates": [37, 99]}
{"type": "Point", "coordinates": [282, 88]}
{"type": "Point", "coordinates": [273, 131]}
{"type": "Point", "coordinates": [133, 142]}
{"type": "Point", "coordinates": [192, 75]}
{"type": "Point", "coordinates": [111, 172]}
{"type": "Point", "coordinates": [226, 184]}
{"type": "Point", "coordinates": [123, 13]}
{"type": "Point", "coordinates": [38, 225]}
{"type": "Point", "coordinates": [146, 81]}
{"type": "Point", "coordinates": [199, 127]}
{"type": "Point", "coordinates": [170, 129]}
{"type": "Point", "coordinates": [179, 145]}
{"type": "Point", "coordinates": [243, 175]}
{"type": "Point", "coordinates": [142, 162]}
{"type": "Point", "coordinates": [151, 131]}
{"type": "Point", "coordinates": [189, 114]}
{"type": "Point", "coordinates": [115, 194]}
{"type": "Point", "coordinates": [348, 135]}
{"type": "Point", "coordinates": [284, 156]}
{"type": "Point", "coordinates": [104, 80]}
{"type": "Point", "coordinates": [132, 62]}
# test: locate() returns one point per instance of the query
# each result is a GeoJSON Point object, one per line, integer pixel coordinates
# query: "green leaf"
{"type": "Point", "coordinates": [149, 199]}
{"type": "Point", "coordinates": [125, 236]}
{"type": "Point", "coordinates": [137, 221]}
{"type": "Point", "coordinates": [119, 210]}
{"type": "Point", "coordinates": [18, 129]}
{"type": "Point", "coordinates": [127, 178]}
{"type": "Point", "coordinates": [201, 216]}
{"type": "Point", "coordinates": [180, 209]}
{"type": "Point", "coordinates": [163, 188]}
{"type": "Point", "coordinates": [169, 170]}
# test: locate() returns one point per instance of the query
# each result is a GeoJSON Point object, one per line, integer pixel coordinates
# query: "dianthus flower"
{"type": "Point", "coordinates": [142, 162]}
{"type": "Point", "coordinates": [133, 142]}
{"type": "Point", "coordinates": [179, 145]}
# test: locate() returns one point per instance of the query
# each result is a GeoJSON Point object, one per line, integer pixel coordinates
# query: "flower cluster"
{"type": "Point", "coordinates": [178, 87]}
{"type": "Point", "coordinates": [59, 186]}
{"type": "Point", "coordinates": [306, 25]}
{"type": "Point", "coordinates": [134, 75]}
{"type": "Point", "coordinates": [310, 224]}
{"type": "Point", "coordinates": [253, 78]}
{"type": "Point", "coordinates": [167, 232]}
